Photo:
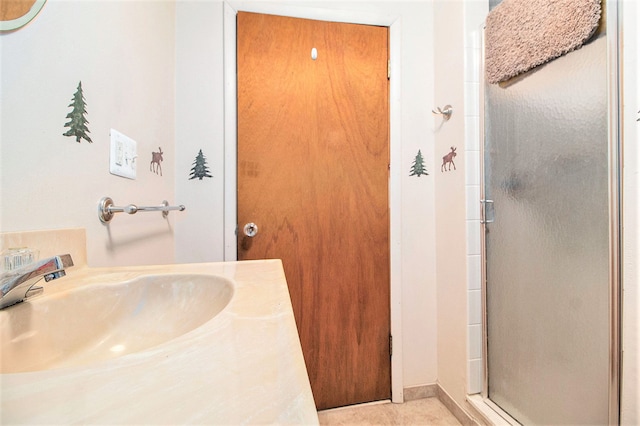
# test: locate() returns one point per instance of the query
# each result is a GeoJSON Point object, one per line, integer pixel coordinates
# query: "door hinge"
{"type": "Point", "coordinates": [388, 69]}
{"type": "Point", "coordinates": [390, 345]}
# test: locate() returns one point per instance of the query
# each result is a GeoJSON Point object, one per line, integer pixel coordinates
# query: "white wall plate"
{"type": "Point", "coordinates": [122, 160]}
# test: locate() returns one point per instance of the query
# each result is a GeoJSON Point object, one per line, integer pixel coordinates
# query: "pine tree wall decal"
{"type": "Point", "coordinates": [78, 123]}
{"type": "Point", "coordinates": [200, 169]}
{"type": "Point", "coordinates": [418, 168]}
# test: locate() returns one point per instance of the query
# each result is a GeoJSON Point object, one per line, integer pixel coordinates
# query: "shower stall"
{"type": "Point", "coordinates": [550, 218]}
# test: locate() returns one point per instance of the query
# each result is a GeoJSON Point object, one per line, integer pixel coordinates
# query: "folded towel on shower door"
{"type": "Point", "coordinates": [522, 34]}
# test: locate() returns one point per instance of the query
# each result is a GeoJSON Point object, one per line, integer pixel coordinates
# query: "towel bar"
{"type": "Point", "coordinates": [106, 209]}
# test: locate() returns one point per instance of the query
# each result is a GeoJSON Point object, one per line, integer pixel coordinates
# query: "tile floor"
{"type": "Point", "coordinates": [427, 411]}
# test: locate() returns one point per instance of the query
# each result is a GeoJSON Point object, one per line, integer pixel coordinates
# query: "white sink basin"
{"type": "Point", "coordinates": [98, 322]}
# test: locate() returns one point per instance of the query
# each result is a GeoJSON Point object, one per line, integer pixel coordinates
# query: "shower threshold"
{"type": "Point", "coordinates": [490, 412]}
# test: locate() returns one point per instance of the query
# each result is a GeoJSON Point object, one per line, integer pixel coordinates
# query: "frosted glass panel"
{"type": "Point", "coordinates": [546, 168]}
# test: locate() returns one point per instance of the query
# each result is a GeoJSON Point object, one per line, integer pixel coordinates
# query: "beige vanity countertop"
{"type": "Point", "coordinates": [245, 366]}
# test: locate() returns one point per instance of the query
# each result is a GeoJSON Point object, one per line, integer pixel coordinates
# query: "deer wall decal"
{"type": "Point", "coordinates": [448, 159]}
{"type": "Point", "coordinates": [156, 159]}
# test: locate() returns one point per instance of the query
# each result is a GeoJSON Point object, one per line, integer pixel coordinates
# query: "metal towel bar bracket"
{"type": "Point", "coordinates": [106, 209]}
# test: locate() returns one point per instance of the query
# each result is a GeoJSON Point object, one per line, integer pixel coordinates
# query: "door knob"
{"type": "Point", "coordinates": [250, 229]}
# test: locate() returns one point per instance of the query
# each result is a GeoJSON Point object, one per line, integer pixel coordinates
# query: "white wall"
{"type": "Point", "coordinates": [123, 52]}
{"type": "Point", "coordinates": [199, 126]}
{"type": "Point", "coordinates": [450, 201]}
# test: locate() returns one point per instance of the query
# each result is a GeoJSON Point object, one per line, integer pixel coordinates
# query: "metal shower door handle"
{"type": "Point", "coordinates": [250, 229]}
{"type": "Point", "coordinates": [484, 211]}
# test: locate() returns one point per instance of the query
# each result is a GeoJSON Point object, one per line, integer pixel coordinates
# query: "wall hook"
{"type": "Point", "coordinates": [446, 112]}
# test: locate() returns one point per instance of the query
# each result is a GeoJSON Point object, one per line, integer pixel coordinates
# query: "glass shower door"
{"type": "Point", "coordinates": [547, 246]}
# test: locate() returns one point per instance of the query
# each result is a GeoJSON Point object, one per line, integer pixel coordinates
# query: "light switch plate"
{"type": "Point", "coordinates": [122, 161]}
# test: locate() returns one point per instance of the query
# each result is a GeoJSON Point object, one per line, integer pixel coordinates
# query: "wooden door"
{"type": "Point", "coordinates": [313, 169]}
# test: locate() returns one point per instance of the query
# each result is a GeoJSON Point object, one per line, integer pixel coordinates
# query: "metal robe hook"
{"type": "Point", "coordinates": [446, 112]}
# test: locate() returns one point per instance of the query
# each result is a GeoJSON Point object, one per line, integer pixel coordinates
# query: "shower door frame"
{"type": "Point", "coordinates": [612, 15]}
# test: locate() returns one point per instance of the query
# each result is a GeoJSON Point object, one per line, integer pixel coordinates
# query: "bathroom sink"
{"type": "Point", "coordinates": [97, 322]}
